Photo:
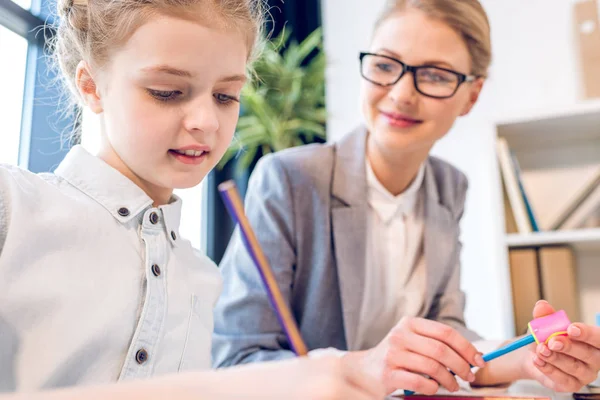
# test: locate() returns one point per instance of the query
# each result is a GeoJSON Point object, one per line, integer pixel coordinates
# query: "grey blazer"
{"type": "Point", "coordinates": [308, 207]}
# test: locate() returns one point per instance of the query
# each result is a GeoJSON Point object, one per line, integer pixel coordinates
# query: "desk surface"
{"type": "Point", "coordinates": [517, 389]}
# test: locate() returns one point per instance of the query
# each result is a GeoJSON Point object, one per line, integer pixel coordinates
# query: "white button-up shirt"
{"type": "Point", "coordinates": [95, 283]}
{"type": "Point", "coordinates": [394, 271]}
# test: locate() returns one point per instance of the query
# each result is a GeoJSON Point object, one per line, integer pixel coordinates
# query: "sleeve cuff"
{"type": "Point", "coordinates": [329, 351]}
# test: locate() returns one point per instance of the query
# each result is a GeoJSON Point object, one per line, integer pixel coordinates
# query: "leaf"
{"type": "Point", "coordinates": [250, 135]}
{"type": "Point", "coordinates": [308, 45]}
{"type": "Point", "coordinates": [246, 158]}
{"type": "Point", "coordinates": [285, 105]}
{"type": "Point", "coordinates": [302, 126]}
{"type": "Point", "coordinates": [293, 96]}
{"type": "Point", "coordinates": [231, 152]}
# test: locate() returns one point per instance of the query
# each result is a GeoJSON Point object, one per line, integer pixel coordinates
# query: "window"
{"type": "Point", "coordinates": [26, 4]}
{"type": "Point", "coordinates": [30, 130]}
{"type": "Point", "coordinates": [13, 52]}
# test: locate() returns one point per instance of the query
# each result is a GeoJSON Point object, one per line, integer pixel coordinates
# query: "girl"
{"type": "Point", "coordinates": [363, 233]}
{"type": "Point", "coordinates": [98, 286]}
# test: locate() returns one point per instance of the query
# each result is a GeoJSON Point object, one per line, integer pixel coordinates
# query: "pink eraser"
{"type": "Point", "coordinates": [544, 328]}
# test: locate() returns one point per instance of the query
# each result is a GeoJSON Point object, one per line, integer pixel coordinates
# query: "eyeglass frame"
{"type": "Point", "coordinates": [462, 78]}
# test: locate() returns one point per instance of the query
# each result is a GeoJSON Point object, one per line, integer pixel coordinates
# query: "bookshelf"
{"type": "Point", "coordinates": [582, 239]}
{"type": "Point", "coordinates": [557, 150]}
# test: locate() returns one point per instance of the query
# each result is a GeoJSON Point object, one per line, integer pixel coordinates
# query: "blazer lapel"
{"type": "Point", "coordinates": [439, 237]}
{"type": "Point", "coordinates": [349, 220]}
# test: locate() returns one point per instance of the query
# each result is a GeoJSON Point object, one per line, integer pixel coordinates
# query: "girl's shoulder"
{"type": "Point", "coordinates": [15, 181]}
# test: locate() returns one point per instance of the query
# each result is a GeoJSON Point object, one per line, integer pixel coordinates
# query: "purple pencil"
{"type": "Point", "coordinates": [235, 206]}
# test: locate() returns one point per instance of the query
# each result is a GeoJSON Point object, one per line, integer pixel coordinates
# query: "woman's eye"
{"type": "Point", "coordinates": [436, 77]}
{"type": "Point", "coordinates": [384, 67]}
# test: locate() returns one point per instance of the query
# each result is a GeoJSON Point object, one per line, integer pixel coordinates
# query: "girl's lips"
{"type": "Point", "coordinates": [189, 159]}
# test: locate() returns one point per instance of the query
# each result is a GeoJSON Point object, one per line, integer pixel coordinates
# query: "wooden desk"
{"type": "Point", "coordinates": [523, 388]}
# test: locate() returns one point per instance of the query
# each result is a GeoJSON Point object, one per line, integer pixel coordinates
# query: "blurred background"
{"type": "Point", "coordinates": [530, 148]}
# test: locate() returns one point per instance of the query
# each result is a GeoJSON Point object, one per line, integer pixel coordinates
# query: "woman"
{"type": "Point", "coordinates": [363, 234]}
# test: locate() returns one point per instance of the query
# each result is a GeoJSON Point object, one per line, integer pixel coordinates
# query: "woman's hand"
{"type": "Point", "coordinates": [417, 347]}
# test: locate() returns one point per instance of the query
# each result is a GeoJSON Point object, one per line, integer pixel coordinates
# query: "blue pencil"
{"type": "Point", "coordinates": [517, 344]}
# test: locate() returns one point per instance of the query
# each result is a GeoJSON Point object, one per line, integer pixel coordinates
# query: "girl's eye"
{"type": "Point", "coordinates": [164, 95]}
{"type": "Point", "coordinates": [225, 98]}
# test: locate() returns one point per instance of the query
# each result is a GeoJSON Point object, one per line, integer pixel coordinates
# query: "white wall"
{"type": "Point", "coordinates": [12, 78]}
{"type": "Point", "coordinates": [534, 67]}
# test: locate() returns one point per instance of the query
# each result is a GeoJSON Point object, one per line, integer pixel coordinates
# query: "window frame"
{"type": "Point", "coordinates": [41, 148]}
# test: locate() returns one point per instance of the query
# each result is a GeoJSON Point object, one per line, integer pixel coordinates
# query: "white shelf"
{"type": "Point", "coordinates": [587, 107]}
{"type": "Point", "coordinates": [553, 127]}
{"type": "Point", "coordinates": [581, 239]}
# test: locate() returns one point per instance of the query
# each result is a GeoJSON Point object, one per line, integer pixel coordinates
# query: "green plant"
{"type": "Point", "coordinates": [284, 106]}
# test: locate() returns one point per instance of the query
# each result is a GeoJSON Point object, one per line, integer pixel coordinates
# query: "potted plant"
{"type": "Point", "coordinates": [284, 105]}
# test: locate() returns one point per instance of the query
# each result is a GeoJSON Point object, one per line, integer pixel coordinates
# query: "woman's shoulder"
{"type": "Point", "coordinates": [451, 182]}
{"type": "Point", "coordinates": [301, 165]}
{"type": "Point", "coordinates": [446, 172]}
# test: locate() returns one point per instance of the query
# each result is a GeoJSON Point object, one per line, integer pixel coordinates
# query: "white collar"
{"type": "Point", "coordinates": [385, 204]}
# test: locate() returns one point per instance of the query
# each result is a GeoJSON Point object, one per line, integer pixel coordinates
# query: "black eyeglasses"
{"type": "Point", "coordinates": [430, 81]}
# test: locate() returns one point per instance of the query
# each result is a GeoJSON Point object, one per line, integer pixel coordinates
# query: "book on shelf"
{"type": "Point", "coordinates": [528, 207]}
{"type": "Point", "coordinates": [509, 217]}
{"type": "Point", "coordinates": [586, 214]}
{"type": "Point", "coordinates": [547, 272]}
{"type": "Point", "coordinates": [558, 279]}
{"type": "Point", "coordinates": [525, 285]}
{"type": "Point", "coordinates": [511, 185]}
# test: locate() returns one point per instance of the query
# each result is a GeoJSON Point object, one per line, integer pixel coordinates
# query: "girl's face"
{"type": "Point", "coordinates": [169, 102]}
{"type": "Point", "coordinates": [398, 117]}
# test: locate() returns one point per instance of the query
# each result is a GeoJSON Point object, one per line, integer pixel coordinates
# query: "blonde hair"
{"type": "Point", "coordinates": [466, 17]}
{"type": "Point", "coordinates": [90, 29]}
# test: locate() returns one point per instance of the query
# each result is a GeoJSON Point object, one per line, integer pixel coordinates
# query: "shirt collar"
{"type": "Point", "coordinates": [122, 198]}
{"type": "Point", "coordinates": [385, 204]}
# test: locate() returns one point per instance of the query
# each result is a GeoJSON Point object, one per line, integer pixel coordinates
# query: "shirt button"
{"type": "Point", "coordinates": [173, 235]}
{"type": "Point", "coordinates": [123, 212]}
{"type": "Point", "coordinates": [156, 270]}
{"type": "Point", "coordinates": [141, 356]}
{"type": "Point", "coordinates": [154, 218]}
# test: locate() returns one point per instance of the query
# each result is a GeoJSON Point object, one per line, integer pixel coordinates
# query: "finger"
{"type": "Point", "coordinates": [439, 351]}
{"type": "Point", "coordinates": [579, 350]}
{"type": "Point", "coordinates": [585, 333]}
{"type": "Point", "coordinates": [559, 381]}
{"type": "Point", "coordinates": [574, 367]}
{"type": "Point", "coordinates": [364, 383]}
{"type": "Point", "coordinates": [420, 364]}
{"type": "Point", "coordinates": [542, 308]}
{"type": "Point", "coordinates": [446, 334]}
{"type": "Point", "coordinates": [406, 380]}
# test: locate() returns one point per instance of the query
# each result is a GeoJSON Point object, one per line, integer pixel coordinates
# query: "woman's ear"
{"type": "Point", "coordinates": [87, 87]}
{"type": "Point", "coordinates": [474, 92]}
